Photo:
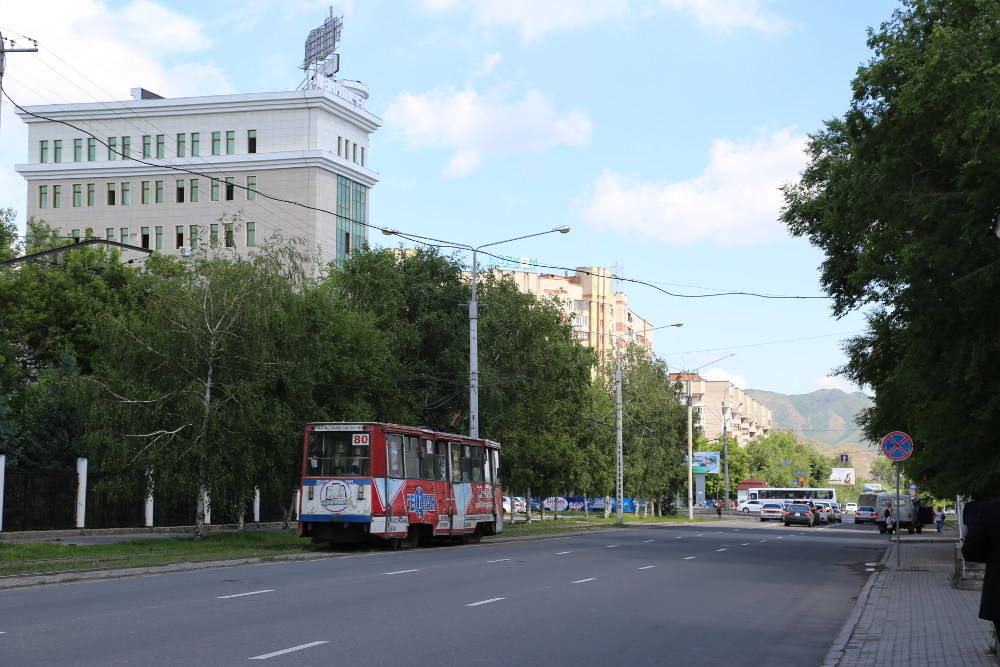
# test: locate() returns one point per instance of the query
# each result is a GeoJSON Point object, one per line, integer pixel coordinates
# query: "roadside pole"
{"type": "Point", "coordinates": [899, 474]}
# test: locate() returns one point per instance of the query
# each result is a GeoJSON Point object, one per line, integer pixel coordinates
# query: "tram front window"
{"type": "Point", "coordinates": [332, 454]}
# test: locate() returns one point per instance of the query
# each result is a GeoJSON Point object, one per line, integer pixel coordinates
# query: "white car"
{"type": "Point", "coordinates": [748, 506]}
{"type": "Point", "coordinates": [850, 508]}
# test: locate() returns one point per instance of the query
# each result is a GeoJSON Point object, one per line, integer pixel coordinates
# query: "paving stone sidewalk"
{"type": "Point", "coordinates": [913, 615]}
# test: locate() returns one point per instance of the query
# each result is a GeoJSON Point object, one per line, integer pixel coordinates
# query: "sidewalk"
{"type": "Point", "coordinates": [913, 615]}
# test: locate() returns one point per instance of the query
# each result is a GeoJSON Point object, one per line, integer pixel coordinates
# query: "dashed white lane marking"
{"type": "Point", "coordinates": [240, 595]}
{"type": "Point", "coordinates": [763, 540]}
{"type": "Point", "coordinates": [745, 544]}
{"type": "Point", "coordinates": [583, 581]}
{"type": "Point", "coordinates": [476, 604]}
{"type": "Point", "coordinates": [649, 540]}
{"type": "Point", "coordinates": [400, 572]}
{"type": "Point", "coordinates": [563, 553]}
{"type": "Point", "coordinates": [288, 650]}
{"type": "Point", "coordinates": [779, 537]}
{"type": "Point", "coordinates": [699, 534]}
{"type": "Point", "coordinates": [720, 549]}
{"type": "Point", "coordinates": [612, 546]}
{"type": "Point", "coordinates": [688, 557]}
{"type": "Point", "coordinates": [498, 560]}
{"type": "Point", "coordinates": [647, 567]}
{"type": "Point", "coordinates": [679, 537]}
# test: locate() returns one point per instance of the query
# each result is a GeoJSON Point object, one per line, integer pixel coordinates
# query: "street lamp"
{"type": "Point", "coordinates": [690, 459]}
{"type": "Point", "coordinates": [474, 315]}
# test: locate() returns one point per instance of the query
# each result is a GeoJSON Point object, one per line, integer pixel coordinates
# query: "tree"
{"type": "Point", "coordinates": [900, 194]}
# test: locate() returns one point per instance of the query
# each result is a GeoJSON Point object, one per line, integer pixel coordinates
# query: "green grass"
{"type": "Point", "coordinates": [48, 557]}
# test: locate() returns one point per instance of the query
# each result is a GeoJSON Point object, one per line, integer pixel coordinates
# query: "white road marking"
{"type": "Point", "coordinates": [498, 560]}
{"type": "Point", "coordinates": [400, 572]}
{"type": "Point", "coordinates": [679, 537]}
{"type": "Point", "coordinates": [563, 553]}
{"type": "Point", "coordinates": [649, 540]}
{"type": "Point", "coordinates": [720, 549]}
{"type": "Point", "coordinates": [745, 544]}
{"type": "Point", "coordinates": [763, 540]}
{"type": "Point", "coordinates": [646, 567]}
{"type": "Point", "coordinates": [688, 557]}
{"type": "Point", "coordinates": [240, 595]}
{"type": "Point", "coordinates": [780, 536]}
{"type": "Point", "coordinates": [288, 650]}
{"type": "Point", "coordinates": [699, 534]}
{"type": "Point", "coordinates": [612, 546]}
{"type": "Point", "coordinates": [583, 581]}
{"type": "Point", "coordinates": [476, 604]}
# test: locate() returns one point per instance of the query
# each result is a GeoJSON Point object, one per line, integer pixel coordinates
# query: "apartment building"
{"type": "Point", "coordinates": [721, 406]}
{"type": "Point", "coordinates": [176, 174]}
{"type": "Point", "coordinates": [601, 317]}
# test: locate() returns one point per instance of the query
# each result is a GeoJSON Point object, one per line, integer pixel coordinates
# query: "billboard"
{"type": "Point", "coordinates": [706, 462]}
{"type": "Point", "coordinates": [842, 476]}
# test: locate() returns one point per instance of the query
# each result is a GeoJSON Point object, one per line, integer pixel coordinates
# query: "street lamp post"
{"type": "Point", "coordinates": [474, 314]}
{"type": "Point", "coordinates": [690, 459]}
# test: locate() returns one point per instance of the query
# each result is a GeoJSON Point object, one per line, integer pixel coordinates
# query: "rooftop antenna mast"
{"type": "Point", "coordinates": [320, 62]}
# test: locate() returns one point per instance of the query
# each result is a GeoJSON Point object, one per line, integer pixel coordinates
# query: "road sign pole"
{"type": "Point", "coordinates": [899, 474]}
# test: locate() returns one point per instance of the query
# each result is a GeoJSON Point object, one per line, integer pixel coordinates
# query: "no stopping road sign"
{"type": "Point", "coordinates": [897, 446]}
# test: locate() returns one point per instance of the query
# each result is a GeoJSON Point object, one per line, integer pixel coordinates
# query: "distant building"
{"type": "Point", "coordinates": [186, 172]}
{"type": "Point", "coordinates": [721, 405]}
{"type": "Point", "coordinates": [601, 316]}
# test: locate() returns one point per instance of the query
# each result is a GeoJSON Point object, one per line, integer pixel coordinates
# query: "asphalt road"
{"type": "Point", "coordinates": [732, 592]}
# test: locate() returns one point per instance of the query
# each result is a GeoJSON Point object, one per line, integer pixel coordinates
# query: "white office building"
{"type": "Point", "coordinates": [174, 174]}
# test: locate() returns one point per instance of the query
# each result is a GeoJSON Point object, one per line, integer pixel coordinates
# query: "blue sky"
{"type": "Point", "coordinates": [659, 130]}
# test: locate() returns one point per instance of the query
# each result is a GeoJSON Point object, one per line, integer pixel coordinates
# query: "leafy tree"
{"type": "Point", "coordinates": [900, 194]}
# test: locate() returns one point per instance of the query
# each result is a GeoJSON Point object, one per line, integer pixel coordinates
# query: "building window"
{"type": "Point", "coordinates": [214, 235]}
{"type": "Point", "coordinates": [111, 194]}
{"type": "Point", "coordinates": [251, 233]}
{"type": "Point", "coordinates": [123, 234]}
{"type": "Point", "coordinates": [56, 196]}
{"type": "Point", "coordinates": [112, 148]}
{"type": "Point", "coordinates": [144, 192]}
{"type": "Point", "coordinates": [230, 239]}
{"type": "Point", "coordinates": [362, 156]}
{"type": "Point", "coordinates": [352, 207]}
{"type": "Point", "coordinates": [159, 145]}
{"type": "Point", "coordinates": [77, 195]}
{"type": "Point", "coordinates": [215, 189]}
{"type": "Point", "coordinates": [251, 141]}
{"type": "Point", "coordinates": [180, 144]}
{"type": "Point", "coordinates": [179, 236]}
{"type": "Point", "coordinates": [147, 145]}
{"type": "Point", "coordinates": [193, 229]}
{"type": "Point", "coordinates": [91, 194]}
{"type": "Point", "coordinates": [354, 153]}
{"type": "Point", "coordinates": [216, 143]}
{"type": "Point", "coordinates": [251, 187]}
{"type": "Point", "coordinates": [126, 194]}
{"type": "Point", "coordinates": [57, 150]}
{"type": "Point", "coordinates": [91, 149]}
{"type": "Point", "coordinates": [43, 150]}
{"type": "Point", "coordinates": [340, 146]}
{"type": "Point", "coordinates": [230, 142]}
{"type": "Point", "coordinates": [180, 190]}
{"type": "Point", "coordinates": [195, 144]}
{"type": "Point", "coordinates": [43, 196]}
{"type": "Point", "coordinates": [109, 233]}
{"type": "Point", "coordinates": [76, 235]}
{"type": "Point", "coordinates": [144, 237]}
{"type": "Point", "coordinates": [158, 192]}
{"type": "Point", "coordinates": [194, 189]}
{"type": "Point", "coordinates": [230, 188]}
{"type": "Point", "coordinates": [78, 150]}
{"type": "Point", "coordinates": [126, 147]}
{"type": "Point", "coordinates": [159, 237]}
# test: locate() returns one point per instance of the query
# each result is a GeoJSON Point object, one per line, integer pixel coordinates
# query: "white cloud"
{"type": "Point", "coordinates": [534, 18]}
{"type": "Point", "coordinates": [472, 124]}
{"type": "Point", "coordinates": [735, 199]}
{"type": "Point", "coordinates": [717, 374]}
{"type": "Point", "coordinates": [88, 52]}
{"type": "Point", "coordinates": [728, 15]}
{"type": "Point", "coordinates": [489, 63]}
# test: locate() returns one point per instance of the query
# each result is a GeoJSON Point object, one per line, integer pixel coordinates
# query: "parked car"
{"type": "Point", "coordinates": [748, 506]}
{"type": "Point", "coordinates": [800, 513]}
{"type": "Point", "coordinates": [850, 508]}
{"type": "Point", "coordinates": [865, 514]}
{"type": "Point", "coordinates": [772, 511]}
{"type": "Point", "coordinates": [520, 505]}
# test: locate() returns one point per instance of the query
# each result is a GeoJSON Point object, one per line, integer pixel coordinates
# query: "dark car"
{"type": "Point", "coordinates": [865, 514]}
{"type": "Point", "coordinates": [799, 513]}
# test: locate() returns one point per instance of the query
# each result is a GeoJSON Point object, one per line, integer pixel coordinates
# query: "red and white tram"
{"type": "Point", "coordinates": [403, 484]}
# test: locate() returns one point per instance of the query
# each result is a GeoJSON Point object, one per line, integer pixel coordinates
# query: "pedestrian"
{"type": "Point", "coordinates": [939, 518]}
{"type": "Point", "coordinates": [718, 508]}
{"type": "Point", "coordinates": [887, 515]}
{"type": "Point", "coordinates": [982, 545]}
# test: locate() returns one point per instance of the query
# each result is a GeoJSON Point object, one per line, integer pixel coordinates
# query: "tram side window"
{"type": "Point", "coordinates": [395, 455]}
{"type": "Point", "coordinates": [433, 461]}
{"type": "Point", "coordinates": [473, 463]}
{"type": "Point", "coordinates": [411, 456]}
{"type": "Point", "coordinates": [456, 462]}
{"type": "Point", "coordinates": [336, 453]}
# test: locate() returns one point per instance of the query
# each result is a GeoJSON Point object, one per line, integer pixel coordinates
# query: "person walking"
{"type": "Point", "coordinates": [718, 508]}
{"type": "Point", "coordinates": [888, 517]}
{"type": "Point", "coordinates": [939, 518]}
{"type": "Point", "coordinates": [982, 545]}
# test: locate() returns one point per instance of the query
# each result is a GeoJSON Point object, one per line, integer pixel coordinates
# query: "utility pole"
{"type": "Point", "coordinates": [690, 460]}
{"type": "Point", "coordinates": [620, 464]}
{"type": "Point", "coordinates": [4, 51]}
{"type": "Point", "coordinates": [725, 456]}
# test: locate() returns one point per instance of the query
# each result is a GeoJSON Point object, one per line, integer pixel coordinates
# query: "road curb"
{"type": "Point", "coordinates": [836, 652]}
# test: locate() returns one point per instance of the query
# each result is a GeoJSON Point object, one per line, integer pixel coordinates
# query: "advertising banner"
{"type": "Point", "coordinates": [706, 462]}
{"type": "Point", "coordinates": [842, 476]}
